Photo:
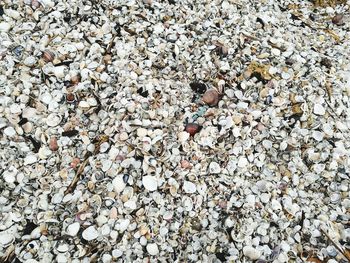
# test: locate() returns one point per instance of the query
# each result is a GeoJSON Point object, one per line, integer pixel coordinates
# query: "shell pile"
{"type": "Point", "coordinates": [174, 131]}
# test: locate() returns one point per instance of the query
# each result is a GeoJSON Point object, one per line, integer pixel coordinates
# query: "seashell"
{"type": "Point", "coordinates": [30, 159]}
{"type": "Point", "coordinates": [255, 133]}
{"type": "Point", "coordinates": [62, 248]}
{"type": "Point", "coordinates": [5, 27]}
{"type": "Point", "coordinates": [107, 59]}
{"type": "Point", "coordinates": [10, 131]}
{"type": "Point", "coordinates": [214, 168]}
{"type": "Point", "coordinates": [74, 163]}
{"type": "Point", "coordinates": [319, 109]}
{"type": "Point", "coordinates": [59, 71]}
{"type": "Point", "coordinates": [141, 132]}
{"type": "Point", "coordinates": [150, 182]}
{"type": "Point", "coordinates": [53, 120]}
{"type": "Point", "coordinates": [48, 56]}
{"type": "Point", "coordinates": [183, 136]}
{"type": "Point", "coordinates": [118, 183]}
{"type": "Point", "coordinates": [338, 19]}
{"type": "Point", "coordinates": [6, 239]}
{"type": "Point", "coordinates": [113, 214]}
{"type": "Point", "coordinates": [84, 105]}
{"type": "Point", "coordinates": [91, 186]}
{"type": "Point", "coordinates": [75, 79]}
{"type": "Point", "coordinates": [53, 146]}
{"type": "Point", "coordinates": [242, 162]}
{"type": "Point", "coordinates": [185, 164]}
{"type": "Point", "coordinates": [152, 249]}
{"type": "Point", "coordinates": [189, 187]}
{"type": "Point", "coordinates": [10, 176]}
{"type": "Point", "coordinates": [123, 225]}
{"type": "Point", "coordinates": [35, 4]}
{"type": "Point", "coordinates": [211, 97]}
{"type": "Point", "coordinates": [192, 128]}
{"type": "Point", "coordinates": [70, 97]}
{"type": "Point", "coordinates": [317, 135]}
{"type": "Point", "coordinates": [251, 252]}
{"type": "Point", "coordinates": [90, 233]}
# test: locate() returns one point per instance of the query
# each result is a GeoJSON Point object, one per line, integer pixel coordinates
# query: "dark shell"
{"type": "Point", "coordinates": [338, 20]}
{"type": "Point", "coordinates": [198, 87]}
{"type": "Point", "coordinates": [192, 128]}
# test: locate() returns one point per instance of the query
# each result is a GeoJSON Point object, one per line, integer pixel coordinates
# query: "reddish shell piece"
{"type": "Point", "coordinates": [74, 163]}
{"type": "Point", "coordinates": [211, 97]}
{"type": "Point", "coordinates": [53, 146]}
{"type": "Point", "coordinates": [185, 164]}
{"type": "Point", "coordinates": [192, 128]}
{"type": "Point", "coordinates": [35, 4]}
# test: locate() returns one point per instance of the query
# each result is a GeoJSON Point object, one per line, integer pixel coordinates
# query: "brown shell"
{"type": "Point", "coordinates": [192, 128]}
{"type": "Point", "coordinates": [75, 79]}
{"type": "Point", "coordinates": [70, 97]}
{"type": "Point", "coordinates": [53, 146]}
{"type": "Point", "coordinates": [48, 56]}
{"type": "Point", "coordinates": [338, 19]}
{"type": "Point", "coordinates": [211, 97]}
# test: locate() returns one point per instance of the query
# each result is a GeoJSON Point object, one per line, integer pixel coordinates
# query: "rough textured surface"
{"type": "Point", "coordinates": [100, 161]}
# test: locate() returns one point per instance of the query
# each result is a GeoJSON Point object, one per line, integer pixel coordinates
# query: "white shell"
{"type": "Point", "coordinates": [317, 135]}
{"type": "Point", "coordinates": [90, 233]}
{"type": "Point", "coordinates": [53, 120]}
{"type": "Point", "coordinates": [10, 131]}
{"type": "Point", "coordinates": [118, 183]}
{"type": "Point", "coordinates": [6, 239]}
{"type": "Point", "coordinates": [63, 248]}
{"type": "Point", "coordinates": [242, 162]}
{"type": "Point", "coordinates": [4, 27]}
{"type": "Point", "coordinates": [189, 187]}
{"type": "Point", "coordinates": [30, 159]}
{"type": "Point", "coordinates": [152, 249]}
{"type": "Point", "coordinates": [84, 104]}
{"type": "Point", "coordinates": [124, 225]}
{"type": "Point", "coordinates": [251, 252]}
{"type": "Point", "coordinates": [141, 132]}
{"type": "Point", "coordinates": [183, 136]}
{"type": "Point", "coordinates": [319, 109]}
{"type": "Point", "coordinates": [59, 71]}
{"type": "Point", "coordinates": [73, 229]}
{"type": "Point", "coordinates": [150, 182]}
{"type": "Point", "coordinates": [214, 168]}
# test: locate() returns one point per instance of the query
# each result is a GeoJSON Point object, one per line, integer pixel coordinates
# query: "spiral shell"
{"type": "Point", "coordinates": [48, 56]}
